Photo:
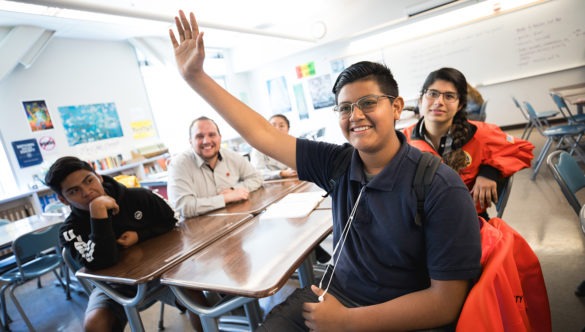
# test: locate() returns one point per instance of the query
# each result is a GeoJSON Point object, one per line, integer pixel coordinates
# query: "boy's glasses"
{"type": "Point", "coordinates": [449, 97]}
{"type": "Point", "coordinates": [365, 104]}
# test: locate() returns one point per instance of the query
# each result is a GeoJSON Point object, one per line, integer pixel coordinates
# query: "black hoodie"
{"type": "Point", "coordinates": [92, 242]}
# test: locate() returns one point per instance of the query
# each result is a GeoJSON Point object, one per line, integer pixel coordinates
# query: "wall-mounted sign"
{"type": "Point", "coordinates": [27, 152]}
{"type": "Point", "coordinates": [47, 143]}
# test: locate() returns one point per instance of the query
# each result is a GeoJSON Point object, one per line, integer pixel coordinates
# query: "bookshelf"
{"type": "Point", "coordinates": [33, 201]}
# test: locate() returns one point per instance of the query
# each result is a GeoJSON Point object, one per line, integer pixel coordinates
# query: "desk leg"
{"type": "Point", "coordinates": [130, 304]}
{"type": "Point", "coordinates": [209, 315]}
{"type": "Point", "coordinates": [306, 277]}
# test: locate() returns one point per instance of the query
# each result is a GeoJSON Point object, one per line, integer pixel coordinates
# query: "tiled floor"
{"type": "Point", "coordinates": [536, 209]}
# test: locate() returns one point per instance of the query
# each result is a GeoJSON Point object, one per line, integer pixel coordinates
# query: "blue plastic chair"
{"type": "Point", "coordinates": [542, 117]}
{"type": "Point", "coordinates": [36, 254]}
{"type": "Point", "coordinates": [570, 133]}
{"type": "Point", "coordinates": [566, 111]}
{"type": "Point", "coordinates": [569, 176]}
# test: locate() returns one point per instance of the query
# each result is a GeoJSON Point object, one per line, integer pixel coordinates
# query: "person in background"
{"type": "Point", "coordinates": [273, 169]}
{"type": "Point", "coordinates": [389, 274]}
{"type": "Point", "coordinates": [474, 100]}
{"type": "Point", "coordinates": [106, 217]}
{"type": "Point", "coordinates": [207, 177]}
{"type": "Point", "coordinates": [480, 152]}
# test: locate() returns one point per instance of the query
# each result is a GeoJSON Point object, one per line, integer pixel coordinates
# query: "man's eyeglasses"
{"type": "Point", "coordinates": [365, 104]}
{"type": "Point", "coordinates": [449, 97]}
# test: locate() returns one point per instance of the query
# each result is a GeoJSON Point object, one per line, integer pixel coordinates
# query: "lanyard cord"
{"type": "Point", "coordinates": [341, 242]}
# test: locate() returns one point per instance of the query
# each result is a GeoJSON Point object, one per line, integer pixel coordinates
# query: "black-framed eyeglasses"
{"type": "Point", "coordinates": [365, 104]}
{"type": "Point", "coordinates": [449, 97]}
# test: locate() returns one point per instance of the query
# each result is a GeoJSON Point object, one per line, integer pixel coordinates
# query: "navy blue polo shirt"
{"type": "Point", "coordinates": [386, 255]}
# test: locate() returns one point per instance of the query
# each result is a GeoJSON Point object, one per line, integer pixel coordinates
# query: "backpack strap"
{"type": "Point", "coordinates": [341, 164]}
{"type": "Point", "coordinates": [425, 171]}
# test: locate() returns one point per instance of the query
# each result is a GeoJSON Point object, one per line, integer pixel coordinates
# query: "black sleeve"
{"type": "Point", "coordinates": [161, 218]}
{"type": "Point", "coordinates": [92, 243]}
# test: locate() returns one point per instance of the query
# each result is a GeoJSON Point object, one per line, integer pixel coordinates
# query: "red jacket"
{"type": "Point", "coordinates": [510, 294]}
{"type": "Point", "coordinates": [490, 152]}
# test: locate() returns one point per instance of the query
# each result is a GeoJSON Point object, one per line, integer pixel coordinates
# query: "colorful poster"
{"type": "Point", "coordinates": [27, 152]}
{"type": "Point", "coordinates": [278, 93]}
{"type": "Point", "coordinates": [90, 123]}
{"type": "Point", "coordinates": [300, 101]}
{"type": "Point", "coordinates": [142, 129]}
{"type": "Point", "coordinates": [37, 115]}
{"type": "Point", "coordinates": [320, 88]}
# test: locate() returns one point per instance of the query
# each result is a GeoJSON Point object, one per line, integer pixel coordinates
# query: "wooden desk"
{"type": "Point", "coordinates": [147, 261]}
{"type": "Point", "coordinates": [253, 261]}
{"type": "Point", "coordinates": [573, 94]}
{"type": "Point", "coordinates": [14, 229]}
{"type": "Point", "coordinates": [270, 192]}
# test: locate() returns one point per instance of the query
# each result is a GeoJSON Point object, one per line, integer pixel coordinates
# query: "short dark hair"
{"type": "Point", "coordinates": [203, 118]}
{"type": "Point", "coordinates": [366, 70]}
{"type": "Point", "coordinates": [282, 117]}
{"type": "Point", "coordinates": [61, 169]}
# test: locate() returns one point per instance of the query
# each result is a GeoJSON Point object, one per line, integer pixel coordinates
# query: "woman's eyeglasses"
{"type": "Point", "coordinates": [449, 97]}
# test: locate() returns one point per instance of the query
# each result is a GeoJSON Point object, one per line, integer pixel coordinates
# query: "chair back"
{"type": "Point", "coordinates": [533, 117]}
{"type": "Point", "coordinates": [73, 265]}
{"type": "Point", "coordinates": [563, 107]}
{"type": "Point", "coordinates": [504, 189]}
{"type": "Point", "coordinates": [568, 175]}
{"type": "Point", "coordinates": [517, 103]}
{"type": "Point", "coordinates": [31, 245]}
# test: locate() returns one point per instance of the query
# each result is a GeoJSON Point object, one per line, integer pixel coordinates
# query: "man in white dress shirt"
{"type": "Point", "coordinates": [207, 177]}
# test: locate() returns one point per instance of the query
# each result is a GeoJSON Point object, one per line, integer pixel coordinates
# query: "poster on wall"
{"type": "Point", "coordinates": [27, 152]}
{"type": "Point", "coordinates": [337, 66]}
{"type": "Point", "coordinates": [90, 123]}
{"type": "Point", "coordinates": [37, 115]}
{"type": "Point", "coordinates": [320, 88]}
{"type": "Point", "coordinates": [278, 93]}
{"type": "Point", "coordinates": [300, 101]}
{"type": "Point", "coordinates": [142, 129]}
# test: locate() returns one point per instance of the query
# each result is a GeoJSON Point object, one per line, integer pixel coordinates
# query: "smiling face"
{"type": "Point", "coordinates": [80, 188]}
{"type": "Point", "coordinates": [206, 140]}
{"type": "Point", "coordinates": [438, 110]}
{"type": "Point", "coordinates": [373, 131]}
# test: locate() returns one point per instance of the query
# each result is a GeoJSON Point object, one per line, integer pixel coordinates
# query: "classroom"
{"type": "Point", "coordinates": [106, 89]}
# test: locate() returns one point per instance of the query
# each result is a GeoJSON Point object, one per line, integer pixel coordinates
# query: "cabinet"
{"type": "Point", "coordinates": [31, 202]}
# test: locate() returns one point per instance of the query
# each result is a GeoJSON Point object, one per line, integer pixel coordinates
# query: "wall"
{"type": "Point", "coordinates": [524, 53]}
{"type": "Point", "coordinates": [74, 72]}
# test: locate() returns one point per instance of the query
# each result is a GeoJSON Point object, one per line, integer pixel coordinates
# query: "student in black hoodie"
{"type": "Point", "coordinates": [106, 217]}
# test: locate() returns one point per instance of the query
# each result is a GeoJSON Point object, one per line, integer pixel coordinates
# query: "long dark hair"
{"type": "Point", "coordinates": [455, 159]}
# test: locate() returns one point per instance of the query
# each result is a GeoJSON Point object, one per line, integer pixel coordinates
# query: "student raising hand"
{"type": "Point", "coordinates": [189, 49]}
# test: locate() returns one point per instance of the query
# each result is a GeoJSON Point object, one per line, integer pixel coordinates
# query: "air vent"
{"type": "Point", "coordinates": [426, 6]}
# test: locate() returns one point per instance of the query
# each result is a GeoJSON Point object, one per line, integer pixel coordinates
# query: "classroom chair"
{"type": "Point", "coordinates": [88, 287]}
{"type": "Point", "coordinates": [566, 111]}
{"type": "Point", "coordinates": [572, 133]}
{"type": "Point", "coordinates": [568, 175]}
{"type": "Point", "coordinates": [542, 117]}
{"type": "Point", "coordinates": [36, 254]}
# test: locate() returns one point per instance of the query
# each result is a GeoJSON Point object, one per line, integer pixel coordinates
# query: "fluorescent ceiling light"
{"type": "Point", "coordinates": [109, 14]}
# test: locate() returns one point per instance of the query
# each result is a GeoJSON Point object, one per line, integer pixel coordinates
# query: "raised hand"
{"type": "Point", "coordinates": [189, 48]}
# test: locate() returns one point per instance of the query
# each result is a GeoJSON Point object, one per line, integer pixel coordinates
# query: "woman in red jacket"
{"type": "Point", "coordinates": [481, 153]}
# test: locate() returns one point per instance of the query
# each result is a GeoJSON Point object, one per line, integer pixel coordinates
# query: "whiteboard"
{"type": "Point", "coordinates": [541, 39]}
